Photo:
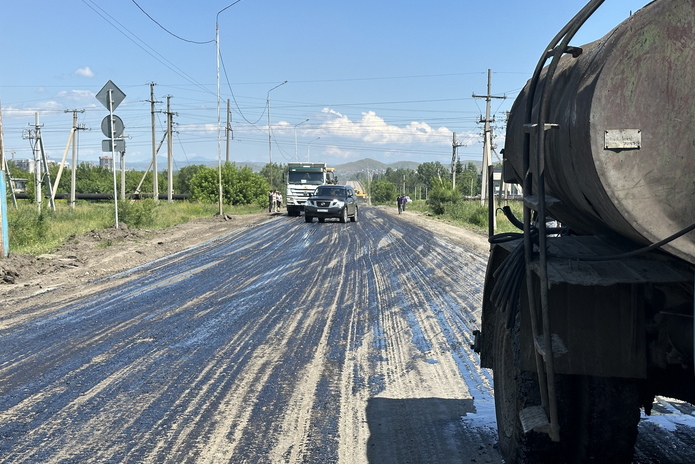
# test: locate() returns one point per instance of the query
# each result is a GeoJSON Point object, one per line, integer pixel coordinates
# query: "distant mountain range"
{"type": "Point", "coordinates": [345, 170]}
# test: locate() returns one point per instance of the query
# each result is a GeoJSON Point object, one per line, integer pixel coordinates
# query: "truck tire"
{"type": "Point", "coordinates": [515, 390]}
{"type": "Point", "coordinates": [598, 416]}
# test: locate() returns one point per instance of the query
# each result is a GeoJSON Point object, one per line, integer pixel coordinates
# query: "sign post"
{"type": "Point", "coordinates": [111, 96]}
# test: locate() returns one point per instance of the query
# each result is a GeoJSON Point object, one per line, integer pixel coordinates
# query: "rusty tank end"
{"type": "Point", "coordinates": [623, 157]}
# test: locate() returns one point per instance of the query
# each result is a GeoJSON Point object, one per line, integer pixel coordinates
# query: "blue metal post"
{"type": "Point", "coordinates": [4, 230]}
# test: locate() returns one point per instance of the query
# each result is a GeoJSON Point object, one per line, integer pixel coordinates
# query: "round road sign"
{"type": "Point", "coordinates": [118, 126]}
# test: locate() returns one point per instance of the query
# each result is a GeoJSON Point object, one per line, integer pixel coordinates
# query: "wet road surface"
{"type": "Point", "coordinates": [282, 343]}
{"type": "Point", "coordinates": [286, 342]}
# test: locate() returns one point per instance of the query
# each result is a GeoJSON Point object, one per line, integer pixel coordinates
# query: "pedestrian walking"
{"type": "Point", "coordinates": [400, 201]}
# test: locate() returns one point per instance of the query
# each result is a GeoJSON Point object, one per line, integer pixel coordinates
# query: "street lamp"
{"type": "Point", "coordinates": [307, 148]}
{"type": "Point", "coordinates": [296, 157]}
{"type": "Point", "coordinates": [219, 142]}
{"type": "Point", "coordinates": [270, 142]}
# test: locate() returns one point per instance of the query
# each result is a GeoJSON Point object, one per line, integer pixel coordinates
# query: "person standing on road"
{"type": "Point", "coordinates": [399, 200]}
{"type": "Point", "coordinates": [271, 200]}
{"type": "Point", "coordinates": [278, 201]}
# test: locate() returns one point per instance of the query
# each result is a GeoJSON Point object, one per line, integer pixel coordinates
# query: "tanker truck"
{"type": "Point", "coordinates": [301, 180]}
{"type": "Point", "coordinates": [584, 324]}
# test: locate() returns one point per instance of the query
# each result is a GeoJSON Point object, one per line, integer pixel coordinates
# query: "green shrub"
{"type": "Point", "coordinates": [442, 198]}
{"type": "Point", "coordinates": [27, 227]}
{"type": "Point", "coordinates": [138, 214]}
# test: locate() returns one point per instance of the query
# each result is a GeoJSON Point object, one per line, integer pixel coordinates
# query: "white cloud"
{"type": "Point", "coordinates": [76, 95]}
{"type": "Point", "coordinates": [84, 72]}
{"type": "Point", "coordinates": [199, 128]}
{"type": "Point", "coordinates": [42, 108]}
{"type": "Point", "coordinates": [374, 129]}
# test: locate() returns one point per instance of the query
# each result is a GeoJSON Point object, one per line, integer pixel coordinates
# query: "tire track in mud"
{"type": "Point", "coordinates": [289, 342]}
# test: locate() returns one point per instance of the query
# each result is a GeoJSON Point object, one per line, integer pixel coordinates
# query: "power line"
{"type": "Point", "coordinates": [141, 44]}
{"type": "Point", "coordinates": [168, 31]}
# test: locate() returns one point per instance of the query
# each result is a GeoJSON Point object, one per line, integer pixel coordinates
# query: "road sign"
{"type": "Point", "coordinates": [118, 126]}
{"type": "Point", "coordinates": [117, 95]}
{"type": "Point", "coordinates": [119, 145]}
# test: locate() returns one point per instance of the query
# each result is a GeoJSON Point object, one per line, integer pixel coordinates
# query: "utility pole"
{"type": "Point", "coordinates": [228, 129]}
{"type": "Point", "coordinates": [73, 175]}
{"type": "Point", "coordinates": [4, 228]}
{"type": "Point", "coordinates": [487, 141]}
{"type": "Point", "coordinates": [270, 135]}
{"type": "Point", "coordinates": [40, 163]}
{"type": "Point", "coordinates": [155, 180]}
{"type": "Point", "coordinates": [170, 156]}
{"type": "Point", "coordinates": [454, 159]}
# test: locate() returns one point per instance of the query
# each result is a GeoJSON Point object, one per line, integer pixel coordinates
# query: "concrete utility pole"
{"type": "Point", "coordinates": [40, 163]}
{"type": "Point", "coordinates": [270, 142]}
{"type": "Point", "coordinates": [155, 180]}
{"type": "Point", "coordinates": [487, 141]}
{"type": "Point", "coordinates": [73, 175]}
{"type": "Point", "coordinates": [228, 129]}
{"type": "Point", "coordinates": [454, 159]}
{"type": "Point", "coordinates": [170, 155]}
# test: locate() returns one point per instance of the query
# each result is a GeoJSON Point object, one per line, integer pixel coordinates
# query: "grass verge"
{"type": "Point", "coordinates": [33, 232]}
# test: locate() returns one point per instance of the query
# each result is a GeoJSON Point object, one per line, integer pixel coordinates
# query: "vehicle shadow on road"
{"type": "Point", "coordinates": [421, 430]}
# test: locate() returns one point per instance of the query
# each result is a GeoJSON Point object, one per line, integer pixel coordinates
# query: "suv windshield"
{"type": "Point", "coordinates": [330, 192]}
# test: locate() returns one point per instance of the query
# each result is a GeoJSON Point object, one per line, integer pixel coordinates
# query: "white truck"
{"type": "Point", "coordinates": [301, 180]}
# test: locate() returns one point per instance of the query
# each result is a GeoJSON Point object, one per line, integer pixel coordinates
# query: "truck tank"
{"type": "Point", "coordinates": [621, 158]}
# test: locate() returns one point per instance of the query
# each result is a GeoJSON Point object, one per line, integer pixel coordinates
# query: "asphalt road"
{"type": "Point", "coordinates": [286, 342]}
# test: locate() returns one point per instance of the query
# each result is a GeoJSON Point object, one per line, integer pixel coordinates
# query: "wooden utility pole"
{"type": "Point", "coordinates": [487, 141]}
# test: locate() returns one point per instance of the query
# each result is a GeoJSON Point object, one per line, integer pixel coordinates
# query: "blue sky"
{"type": "Point", "coordinates": [382, 79]}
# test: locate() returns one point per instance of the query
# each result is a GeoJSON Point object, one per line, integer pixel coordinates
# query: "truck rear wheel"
{"type": "Point", "coordinates": [598, 416]}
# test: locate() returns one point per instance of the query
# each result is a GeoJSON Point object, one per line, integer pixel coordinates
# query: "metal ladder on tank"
{"type": "Point", "coordinates": [543, 418]}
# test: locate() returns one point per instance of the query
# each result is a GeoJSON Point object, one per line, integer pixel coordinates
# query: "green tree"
{"type": "Point", "coordinates": [405, 180]}
{"type": "Point", "coordinates": [468, 181]}
{"type": "Point", "coordinates": [93, 179]}
{"type": "Point", "coordinates": [383, 192]}
{"type": "Point", "coordinates": [182, 181]}
{"type": "Point", "coordinates": [274, 175]}
{"type": "Point", "coordinates": [239, 186]}
{"type": "Point", "coordinates": [432, 172]}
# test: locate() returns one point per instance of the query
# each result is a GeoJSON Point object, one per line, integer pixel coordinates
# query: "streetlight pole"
{"type": "Point", "coordinates": [270, 142]}
{"type": "Point", "coordinates": [308, 158]}
{"type": "Point", "coordinates": [296, 156]}
{"type": "Point", "coordinates": [219, 129]}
